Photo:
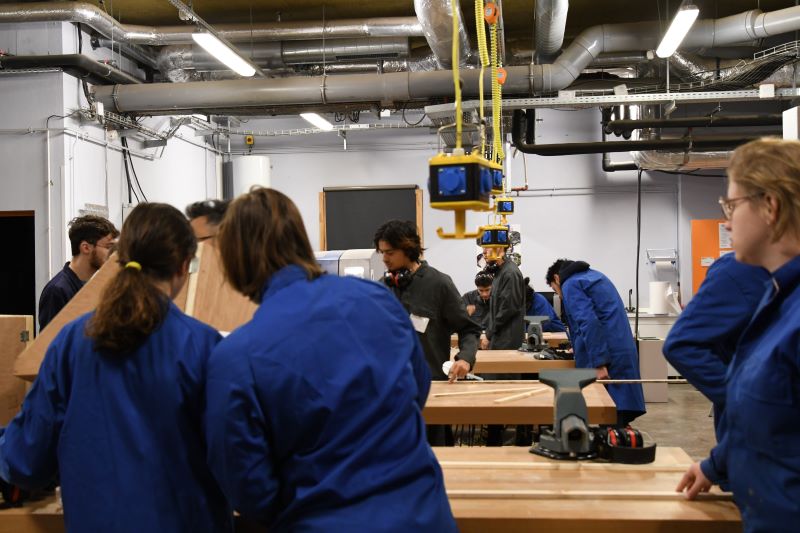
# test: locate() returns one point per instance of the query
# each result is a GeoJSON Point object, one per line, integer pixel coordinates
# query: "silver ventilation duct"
{"type": "Point", "coordinates": [103, 23]}
{"type": "Point", "coordinates": [405, 86]}
{"type": "Point", "coordinates": [436, 19]}
{"type": "Point", "coordinates": [176, 58]}
{"type": "Point", "coordinates": [551, 21]}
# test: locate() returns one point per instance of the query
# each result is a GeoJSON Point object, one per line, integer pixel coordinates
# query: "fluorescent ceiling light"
{"type": "Point", "coordinates": [223, 53]}
{"type": "Point", "coordinates": [317, 121]}
{"type": "Point", "coordinates": [680, 26]}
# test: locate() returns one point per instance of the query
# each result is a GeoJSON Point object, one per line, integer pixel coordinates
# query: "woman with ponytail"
{"type": "Point", "coordinates": [116, 409]}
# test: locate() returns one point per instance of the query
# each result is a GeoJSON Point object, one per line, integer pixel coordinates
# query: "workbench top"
{"type": "Point", "coordinates": [514, 362]}
{"type": "Point", "coordinates": [482, 409]}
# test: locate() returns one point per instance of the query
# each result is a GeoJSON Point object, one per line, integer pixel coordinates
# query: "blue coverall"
{"type": "Point", "coordinates": [541, 307]}
{"type": "Point", "coordinates": [701, 343]}
{"type": "Point", "coordinates": [759, 451]}
{"type": "Point", "coordinates": [315, 412]}
{"type": "Point", "coordinates": [601, 334]}
{"type": "Point", "coordinates": [123, 433]}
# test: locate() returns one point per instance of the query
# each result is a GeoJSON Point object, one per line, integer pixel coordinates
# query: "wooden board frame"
{"type": "Point", "coordinates": [323, 229]}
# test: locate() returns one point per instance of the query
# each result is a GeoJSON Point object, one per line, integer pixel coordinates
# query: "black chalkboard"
{"type": "Point", "coordinates": [353, 214]}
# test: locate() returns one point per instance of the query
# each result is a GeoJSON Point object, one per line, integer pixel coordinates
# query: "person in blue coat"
{"type": "Point", "coordinates": [599, 331]}
{"type": "Point", "coordinates": [116, 411]}
{"type": "Point", "coordinates": [541, 307]}
{"type": "Point", "coordinates": [759, 450]}
{"type": "Point", "coordinates": [701, 343]}
{"type": "Point", "coordinates": [314, 417]}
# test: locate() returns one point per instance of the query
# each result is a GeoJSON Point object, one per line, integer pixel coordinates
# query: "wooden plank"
{"type": "Point", "coordinates": [209, 298]}
{"type": "Point", "coordinates": [510, 489]}
{"type": "Point", "coordinates": [618, 501]}
{"type": "Point", "coordinates": [481, 408]}
{"type": "Point", "coordinates": [28, 362]}
{"type": "Point", "coordinates": [215, 302]}
{"type": "Point", "coordinates": [553, 339]}
{"type": "Point", "coordinates": [12, 388]}
{"type": "Point", "coordinates": [323, 228]}
{"type": "Point", "coordinates": [514, 362]}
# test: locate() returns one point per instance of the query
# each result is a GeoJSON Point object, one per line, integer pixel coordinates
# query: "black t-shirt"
{"type": "Point", "coordinates": [481, 314]}
{"type": "Point", "coordinates": [57, 293]}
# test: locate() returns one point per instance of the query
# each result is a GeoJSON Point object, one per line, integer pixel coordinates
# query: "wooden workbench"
{"type": "Point", "coordinates": [481, 409]}
{"type": "Point", "coordinates": [553, 339]}
{"type": "Point", "coordinates": [514, 362]}
{"type": "Point", "coordinates": [487, 488]}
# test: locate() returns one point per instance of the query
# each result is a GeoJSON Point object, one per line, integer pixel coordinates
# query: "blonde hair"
{"type": "Point", "coordinates": [771, 166]}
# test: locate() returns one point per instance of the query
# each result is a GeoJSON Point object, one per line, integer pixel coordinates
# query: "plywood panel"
{"type": "Point", "coordinates": [27, 365]}
{"type": "Point", "coordinates": [206, 296]}
{"type": "Point", "coordinates": [214, 301]}
{"type": "Point", "coordinates": [16, 332]}
{"type": "Point", "coordinates": [482, 409]}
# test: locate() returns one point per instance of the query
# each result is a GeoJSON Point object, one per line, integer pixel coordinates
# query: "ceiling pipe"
{"type": "Point", "coordinates": [709, 33]}
{"type": "Point", "coordinates": [686, 144]}
{"type": "Point", "coordinates": [107, 26]}
{"type": "Point", "coordinates": [143, 55]}
{"type": "Point", "coordinates": [406, 86]}
{"type": "Point", "coordinates": [436, 19]}
{"type": "Point", "coordinates": [551, 22]}
{"type": "Point", "coordinates": [172, 60]}
{"type": "Point", "coordinates": [77, 65]}
{"type": "Point", "coordinates": [613, 126]}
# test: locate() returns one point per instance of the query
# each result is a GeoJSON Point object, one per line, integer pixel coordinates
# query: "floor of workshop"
{"type": "Point", "coordinates": [683, 421]}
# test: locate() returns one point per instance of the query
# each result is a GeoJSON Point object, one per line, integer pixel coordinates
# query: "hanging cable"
{"type": "Point", "coordinates": [483, 55]}
{"type": "Point", "coordinates": [456, 81]}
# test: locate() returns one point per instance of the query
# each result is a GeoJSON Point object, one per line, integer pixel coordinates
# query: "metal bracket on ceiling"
{"type": "Point", "coordinates": [322, 89]}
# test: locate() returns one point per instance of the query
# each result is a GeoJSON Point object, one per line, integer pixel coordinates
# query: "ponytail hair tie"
{"type": "Point", "coordinates": [134, 265]}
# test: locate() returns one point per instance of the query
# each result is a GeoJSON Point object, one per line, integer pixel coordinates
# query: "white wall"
{"type": "Point", "coordinates": [573, 208]}
{"type": "Point", "coordinates": [85, 164]}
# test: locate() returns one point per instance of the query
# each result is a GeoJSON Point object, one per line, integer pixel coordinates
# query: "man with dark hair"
{"type": "Point", "coordinates": [506, 326]}
{"type": "Point", "coordinates": [205, 217]}
{"type": "Point", "coordinates": [91, 238]}
{"type": "Point", "coordinates": [477, 301]}
{"type": "Point", "coordinates": [600, 332]}
{"type": "Point", "coordinates": [433, 302]}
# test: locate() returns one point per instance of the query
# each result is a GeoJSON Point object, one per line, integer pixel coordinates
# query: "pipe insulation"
{"type": "Point", "coordinates": [97, 19]}
{"type": "Point", "coordinates": [436, 19]}
{"type": "Point", "coordinates": [551, 22]}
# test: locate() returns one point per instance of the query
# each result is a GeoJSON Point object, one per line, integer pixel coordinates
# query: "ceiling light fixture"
{"type": "Point", "coordinates": [224, 54]}
{"type": "Point", "coordinates": [681, 24]}
{"type": "Point", "coordinates": [317, 121]}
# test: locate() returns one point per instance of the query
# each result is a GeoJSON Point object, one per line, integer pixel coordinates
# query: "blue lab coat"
{"type": "Point", "coordinates": [315, 412]}
{"type": "Point", "coordinates": [124, 434]}
{"type": "Point", "coordinates": [760, 447]}
{"type": "Point", "coordinates": [600, 331]}
{"type": "Point", "coordinates": [541, 307]}
{"type": "Point", "coordinates": [701, 343]}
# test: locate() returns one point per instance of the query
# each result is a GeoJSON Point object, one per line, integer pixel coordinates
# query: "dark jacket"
{"type": "Point", "coordinates": [431, 294]}
{"type": "Point", "coordinates": [759, 450]}
{"type": "Point", "coordinates": [701, 343]}
{"type": "Point", "coordinates": [124, 434]}
{"type": "Point", "coordinates": [506, 326]}
{"type": "Point", "coordinates": [481, 314]}
{"type": "Point", "coordinates": [57, 293]}
{"type": "Point", "coordinates": [600, 331]}
{"type": "Point", "coordinates": [320, 428]}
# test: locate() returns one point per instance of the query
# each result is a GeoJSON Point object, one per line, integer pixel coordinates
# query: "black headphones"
{"type": "Point", "coordinates": [399, 279]}
{"type": "Point", "coordinates": [624, 445]}
{"type": "Point", "coordinates": [492, 268]}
